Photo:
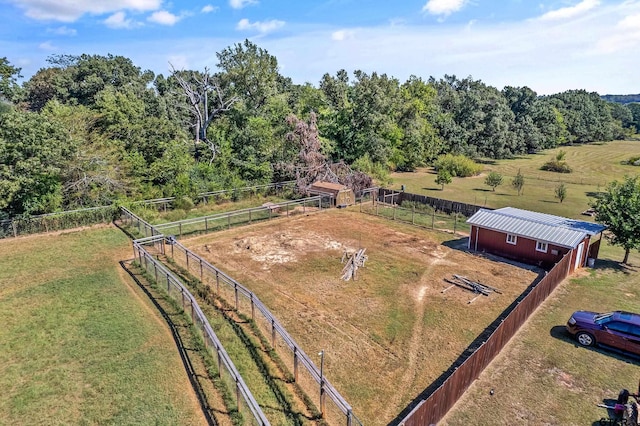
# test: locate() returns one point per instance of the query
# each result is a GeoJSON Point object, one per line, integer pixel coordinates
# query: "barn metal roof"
{"type": "Point", "coordinates": [538, 226]}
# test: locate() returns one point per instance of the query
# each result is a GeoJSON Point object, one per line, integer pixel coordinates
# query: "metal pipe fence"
{"type": "Point", "coordinates": [135, 223]}
{"type": "Point", "coordinates": [230, 219]}
{"type": "Point", "coordinates": [245, 401]}
{"type": "Point", "coordinates": [451, 223]}
{"type": "Point", "coordinates": [18, 226]}
{"type": "Point", "coordinates": [305, 373]}
{"type": "Point", "coordinates": [224, 194]}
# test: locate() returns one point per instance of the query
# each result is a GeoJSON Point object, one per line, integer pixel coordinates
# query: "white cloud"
{"type": "Point", "coordinates": [208, 9]}
{"type": "Point", "coordinates": [119, 21]}
{"type": "Point", "coordinates": [239, 4]}
{"type": "Point", "coordinates": [65, 31]}
{"type": "Point", "coordinates": [443, 7]}
{"type": "Point", "coordinates": [262, 27]}
{"type": "Point", "coordinates": [163, 17]}
{"type": "Point", "coordinates": [571, 11]}
{"type": "Point", "coordinates": [71, 10]}
{"type": "Point", "coordinates": [48, 46]}
{"type": "Point", "coordinates": [341, 35]}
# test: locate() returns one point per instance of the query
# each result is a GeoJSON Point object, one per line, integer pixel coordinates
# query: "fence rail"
{"type": "Point", "coordinates": [235, 291]}
{"type": "Point", "coordinates": [452, 223]}
{"type": "Point", "coordinates": [18, 226]}
{"type": "Point", "coordinates": [233, 218]}
{"type": "Point", "coordinates": [433, 407]}
{"type": "Point", "coordinates": [247, 302]}
{"type": "Point", "coordinates": [179, 292]}
{"type": "Point", "coordinates": [390, 196]}
{"type": "Point", "coordinates": [235, 193]}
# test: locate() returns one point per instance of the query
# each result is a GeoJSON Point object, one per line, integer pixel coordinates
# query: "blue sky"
{"type": "Point", "coordinates": [548, 45]}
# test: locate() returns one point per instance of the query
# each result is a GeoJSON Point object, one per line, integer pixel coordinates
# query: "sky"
{"type": "Point", "coordinates": [548, 45]}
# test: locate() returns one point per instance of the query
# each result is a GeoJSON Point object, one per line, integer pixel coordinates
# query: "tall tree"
{"type": "Point", "coordinates": [33, 151]}
{"type": "Point", "coordinates": [619, 209]}
{"type": "Point", "coordinates": [206, 101]}
{"type": "Point", "coordinates": [9, 74]}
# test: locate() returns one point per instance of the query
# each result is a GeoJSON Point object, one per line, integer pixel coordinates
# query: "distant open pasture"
{"type": "Point", "coordinates": [393, 331]}
{"type": "Point", "coordinates": [80, 343]}
{"type": "Point", "coordinates": [594, 165]}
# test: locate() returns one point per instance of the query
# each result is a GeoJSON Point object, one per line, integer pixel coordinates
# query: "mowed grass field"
{"type": "Point", "coordinates": [594, 165]}
{"type": "Point", "coordinates": [79, 342]}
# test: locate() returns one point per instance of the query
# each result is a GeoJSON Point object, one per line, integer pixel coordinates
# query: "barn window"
{"type": "Point", "coordinates": [540, 246]}
{"type": "Point", "coordinates": [511, 239]}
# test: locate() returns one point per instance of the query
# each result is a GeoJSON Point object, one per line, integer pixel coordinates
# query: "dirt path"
{"type": "Point", "coordinates": [415, 344]}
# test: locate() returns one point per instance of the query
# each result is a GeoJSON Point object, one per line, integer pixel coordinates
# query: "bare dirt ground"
{"type": "Point", "coordinates": [391, 332]}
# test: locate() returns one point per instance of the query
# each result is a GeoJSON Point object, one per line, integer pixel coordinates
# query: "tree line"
{"type": "Point", "coordinates": [90, 129]}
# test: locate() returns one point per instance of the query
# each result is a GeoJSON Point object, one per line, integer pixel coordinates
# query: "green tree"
{"type": "Point", "coordinates": [518, 182]}
{"type": "Point", "coordinates": [9, 74]}
{"type": "Point", "coordinates": [443, 178]}
{"type": "Point", "coordinates": [33, 151]}
{"type": "Point", "coordinates": [493, 179]}
{"type": "Point", "coordinates": [618, 208]}
{"type": "Point", "coordinates": [561, 192]}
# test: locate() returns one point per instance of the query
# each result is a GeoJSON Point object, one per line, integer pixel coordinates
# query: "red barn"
{"type": "Point", "coordinates": [531, 237]}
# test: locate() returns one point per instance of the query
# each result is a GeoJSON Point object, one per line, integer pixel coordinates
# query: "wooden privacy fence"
{"type": "Point", "coordinates": [174, 287]}
{"type": "Point", "coordinates": [305, 372]}
{"type": "Point", "coordinates": [431, 409]}
{"type": "Point", "coordinates": [390, 196]}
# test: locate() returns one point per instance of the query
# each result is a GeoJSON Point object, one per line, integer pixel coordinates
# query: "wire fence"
{"type": "Point", "coordinates": [27, 225]}
{"type": "Point", "coordinates": [305, 373]}
{"type": "Point", "coordinates": [227, 220]}
{"type": "Point", "coordinates": [454, 223]}
{"type": "Point", "coordinates": [245, 402]}
{"type": "Point", "coordinates": [234, 194]}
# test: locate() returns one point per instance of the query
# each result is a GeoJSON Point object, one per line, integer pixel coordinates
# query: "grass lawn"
{"type": "Point", "coordinates": [543, 376]}
{"type": "Point", "coordinates": [594, 165]}
{"type": "Point", "coordinates": [80, 343]}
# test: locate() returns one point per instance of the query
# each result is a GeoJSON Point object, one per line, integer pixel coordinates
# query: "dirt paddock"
{"type": "Point", "coordinates": [391, 332]}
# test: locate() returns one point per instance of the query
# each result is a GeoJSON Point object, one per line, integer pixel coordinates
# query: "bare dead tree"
{"type": "Point", "coordinates": [313, 165]}
{"type": "Point", "coordinates": [206, 101]}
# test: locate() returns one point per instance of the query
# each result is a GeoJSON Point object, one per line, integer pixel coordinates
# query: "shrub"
{"type": "Point", "coordinates": [633, 161]}
{"type": "Point", "coordinates": [183, 203]}
{"type": "Point", "coordinates": [457, 165]}
{"type": "Point", "coordinates": [556, 166]}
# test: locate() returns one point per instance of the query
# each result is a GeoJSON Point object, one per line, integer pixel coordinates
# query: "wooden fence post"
{"type": "Point", "coordinates": [253, 309]}
{"type": "Point", "coordinates": [235, 287]}
{"type": "Point", "coordinates": [295, 364]}
{"type": "Point", "coordinates": [273, 333]}
{"type": "Point", "coordinates": [201, 274]}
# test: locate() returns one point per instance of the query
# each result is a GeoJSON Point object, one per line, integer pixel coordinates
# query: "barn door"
{"type": "Point", "coordinates": [579, 255]}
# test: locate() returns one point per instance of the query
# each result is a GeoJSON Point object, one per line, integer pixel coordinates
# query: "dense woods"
{"type": "Point", "coordinates": [90, 129]}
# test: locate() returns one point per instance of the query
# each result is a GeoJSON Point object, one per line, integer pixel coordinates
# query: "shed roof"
{"type": "Point", "coordinates": [328, 186]}
{"type": "Point", "coordinates": [557, 230]}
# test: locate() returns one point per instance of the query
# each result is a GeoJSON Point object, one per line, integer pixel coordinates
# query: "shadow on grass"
{"type": "Point", "coordinates": [482, 190]}
{"type": "Point", "coordinates": [207, 410]}
{"type": "Point", "coordinates": [432, 189]}
{"type": "Point", "coordinates": [559, 332]}
{"type": "Point", "coordinates": [594, 194]}
{"type": "Point", "coordinates": [612, 265]}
